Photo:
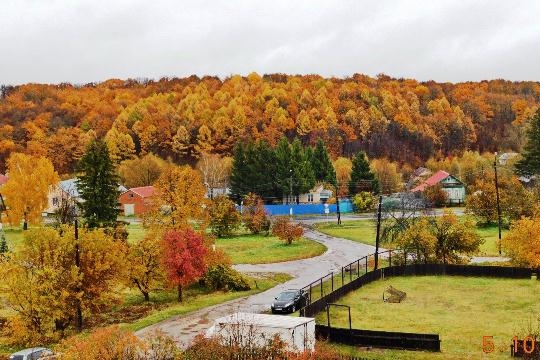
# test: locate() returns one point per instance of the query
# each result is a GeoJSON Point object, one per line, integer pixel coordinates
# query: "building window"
{"type": "Point", "coordinates": [310, 198]}
{"type": "Point", "coordinates": [131, 195]}
{"type": "Point", "coordinates": [55, 201]}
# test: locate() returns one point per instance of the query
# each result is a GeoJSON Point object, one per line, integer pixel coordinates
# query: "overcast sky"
{"type": "Point", "coordinates": [80, 41]}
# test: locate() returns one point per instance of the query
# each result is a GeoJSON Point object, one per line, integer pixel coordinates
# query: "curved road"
{"type": "Point", "coordinates": [339, 252]}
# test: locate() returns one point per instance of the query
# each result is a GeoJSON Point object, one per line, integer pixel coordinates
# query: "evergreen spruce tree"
{"type": "Point", "coordinates": [303, 177]}
{"type": "Point", "coordinates": [263, 170]}
{"type": "Point", "coordinates": [98, 186]}
{"type": "Point", "coordinates": [239, 175]}
{"type": "Point", "coordinates": [530, 163]}
{"type": "Point", "coordinates": [253, 171]}
{"type": "Point", "coordinates": [322, 165]}
{"type": "Point", "coordinates": [362, 179]}
{"type": "Point", "coordinates": [284, 167]}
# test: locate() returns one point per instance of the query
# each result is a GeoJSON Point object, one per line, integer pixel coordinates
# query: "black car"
{"type": "Point", "coordinates": [289, 301]}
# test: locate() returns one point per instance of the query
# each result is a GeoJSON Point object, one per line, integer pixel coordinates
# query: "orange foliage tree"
{"type": "Point", "coordinates": [284, 229]}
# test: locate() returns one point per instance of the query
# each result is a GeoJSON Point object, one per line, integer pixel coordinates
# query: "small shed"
{"type": "Point", "coordinates": [298, 333]}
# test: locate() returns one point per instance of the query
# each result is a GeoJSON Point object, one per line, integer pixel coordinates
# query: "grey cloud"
{"type": "Point", "coordinates": [83, 41]}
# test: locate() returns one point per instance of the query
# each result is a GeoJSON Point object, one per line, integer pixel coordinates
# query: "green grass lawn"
{"type": "Point", "coordinates": [362, 231]}
{"type": "Point", "coordinates": [260, 249]}
{"type": "Point", "coordinates": [136, 232]}
{"type": "Point", "coordinates": [460, 309]}
{"type": "Point", "coordinates": [14, 237]}
{"type": "Point", "coordinates": [136, 314]}
{"type": "Point", "coordinates": [490, 247]}
{"type": "Point", "coordinates": [196, 298]}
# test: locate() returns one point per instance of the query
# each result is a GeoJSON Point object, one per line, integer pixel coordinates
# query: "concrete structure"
{"type": "Point", "coordinates": [298, 333]}
{"type": "Point", "coordinates": [452, 186]}
{"type": "Point", "coordinates": [136, 201]}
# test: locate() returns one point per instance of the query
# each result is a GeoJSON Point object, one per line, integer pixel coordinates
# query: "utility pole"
{"type": "Point", "coordinates": [78, 264]}
{"type": "Point", "coordinates": [337, 205]}
{"type": "Point", "coordinates": [498, 201]}
{"type": "Point", "coordinates": [290, 193]}
{"type": "Point", "coordinates": [378, 233]}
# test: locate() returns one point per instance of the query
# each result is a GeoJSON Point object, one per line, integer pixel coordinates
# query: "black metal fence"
{"type": "Point", "coordinates": [353, 276]}
{"type": "Point", "coordinates": [318, 304]}
{"type": "Point", "coordinates": [382, 339]}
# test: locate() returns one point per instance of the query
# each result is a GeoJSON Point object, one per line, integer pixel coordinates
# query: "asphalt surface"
{"type": "Point", "coordinates": [340, 252]}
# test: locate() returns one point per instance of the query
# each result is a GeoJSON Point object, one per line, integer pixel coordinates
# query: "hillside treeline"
{"type": "Point", "coordinates": [403, 120]}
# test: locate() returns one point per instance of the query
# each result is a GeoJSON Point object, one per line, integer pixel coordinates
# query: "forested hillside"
{"type": "Point", "coordinates": [400, 119]}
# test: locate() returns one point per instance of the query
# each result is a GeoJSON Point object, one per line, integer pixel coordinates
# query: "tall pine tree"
{"type": "Point", "coordinates": [239, 173]}
{"type": "Point", "coordinates": [362, 178]}
{"type": "Point", "coordinates": [253, 170]}
{"type": "Point", "coordinates": [322, 165]}
{"type": "Point", "coordinates": [530, 163]}
{"type": "Point", "coordinates": [98, 186]}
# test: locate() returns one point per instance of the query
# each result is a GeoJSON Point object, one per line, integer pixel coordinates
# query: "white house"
{"type": "Point", "coordinates": [316, 195]}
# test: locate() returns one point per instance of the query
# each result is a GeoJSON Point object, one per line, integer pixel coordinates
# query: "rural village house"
{"type": "Point", "coordinates": [136, 201]}
{"type": "Point", "coordinates": [452, 186]}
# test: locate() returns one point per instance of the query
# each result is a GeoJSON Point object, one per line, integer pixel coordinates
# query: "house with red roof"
{"type": "Point", "coordinates": [136, 201]}
{"type": "Point", "coordinates": [452, 186]}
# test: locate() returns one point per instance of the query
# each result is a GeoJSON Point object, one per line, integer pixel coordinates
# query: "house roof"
{"type": "Point", "coordinates": [264, 320]}
{"type": "Point", "coordinates": [432, 180]}
{"type": "Point", "coordinates": [143, 191]}
{"type": "Point", "coordinates": [70, 187]}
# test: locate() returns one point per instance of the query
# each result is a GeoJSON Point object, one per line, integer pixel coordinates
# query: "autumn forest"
{"type": "Point", "coordinates": [402, 120]}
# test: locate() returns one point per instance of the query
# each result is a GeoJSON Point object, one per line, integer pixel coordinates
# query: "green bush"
{"type": "Point", "coordinates": [223, 277]}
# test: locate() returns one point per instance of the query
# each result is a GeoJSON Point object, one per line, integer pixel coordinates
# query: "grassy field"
{"type": "Point", "coordinates": [364, 231]}
{"type": "Point", "coordinates": [500, 308]}
{"type": "Point", "coordinates": [196, 298]}
{"type": "Point", "coordinates": [134, 313]}
{"type": "Point", "coordinates": [260, 249]}
{"type": "Point", "coordinates": [14, 237]}
{"type": "Point", "coordinates": [490, 247]}
{"type": "Point", "coordinates": [136, 232]}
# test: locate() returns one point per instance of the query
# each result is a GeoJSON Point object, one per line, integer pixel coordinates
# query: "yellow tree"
{"type": "Point", "coordinates": [143, 171]}
{"type": "Point", "coordinates": [522, 243]}
{"type": "Point", "coordinates": [418, 242]}
{"type": "Point", "coordinates": [120, 145]}
{"type": "Point", "coordinates": [144, 266]}
{"type": "Point", "coordinates": [49, 287]}
{"type": "Point", "coordinates": [29, 182]}
{"type": "Point", "coordinates": [179, 201]}
{"type": "Point", "coordinates": [343, 168]}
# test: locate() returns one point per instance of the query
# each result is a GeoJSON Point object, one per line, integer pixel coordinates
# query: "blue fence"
{"type": "Point", "coordinates": [345, 206]}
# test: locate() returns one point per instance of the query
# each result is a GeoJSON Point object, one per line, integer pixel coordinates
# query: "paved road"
{"type": "Point", "coordinates": [339, 252]}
